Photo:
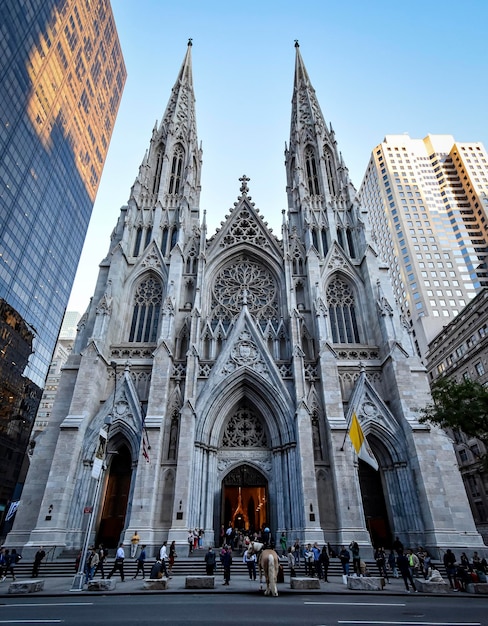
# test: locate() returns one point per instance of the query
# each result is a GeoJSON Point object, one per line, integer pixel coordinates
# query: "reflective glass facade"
{"type": "Point", "coordinates": [61, 80]}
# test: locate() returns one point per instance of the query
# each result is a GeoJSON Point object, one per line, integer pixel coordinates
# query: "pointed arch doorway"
{"type": "Point", "coordinates": [245, 500]}
{"type": "Point", "coordinates": [374, 505]}
{"type": "Point", "coordinates": [115, 502]}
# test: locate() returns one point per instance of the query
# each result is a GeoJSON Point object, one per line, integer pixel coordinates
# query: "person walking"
{"type": "Point", "coordinates": [102, 557]}
{"type": "Point", "coordinates": [172, 556]}
{"type": "Point", "coordinates": [119, 563]}
{"type": "Point", "coordinates": [291, 561]}
{"type": "Point", "coordinates": [163, 557]}
{"type": "Point", "coordinates": [284, 545]}
{"type": "Point", "coordinates": [344, 558]}
{"type": "Point", "coordinates": [92, 559]}
{"type": "Point", "coordinates": [380, 558]}
{"type": "Point", "coordinates": [210, 561]}
{"type": "Point", "coordinates": [404, 567]}
{"type": "Point", "coordinates": [141, 559]}
{"type": "Point", "coordinates": [450, 565]}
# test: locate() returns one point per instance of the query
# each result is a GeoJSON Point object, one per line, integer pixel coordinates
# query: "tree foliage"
{"type": "Point", "coordinates": [460, 406]}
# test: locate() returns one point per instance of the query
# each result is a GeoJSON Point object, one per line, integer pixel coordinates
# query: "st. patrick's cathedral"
{"type": "Point", "coordinates": [224, 368]}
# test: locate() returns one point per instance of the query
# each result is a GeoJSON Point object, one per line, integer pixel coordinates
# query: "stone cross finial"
{"type": "Point", "coordinates": [244, 180]}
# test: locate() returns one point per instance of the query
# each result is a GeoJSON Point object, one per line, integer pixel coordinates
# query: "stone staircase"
{"type": "Point", "coordinates": [193, 565]}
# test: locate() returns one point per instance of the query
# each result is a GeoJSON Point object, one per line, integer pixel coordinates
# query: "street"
{"type": "Point", "coordinates": [211, 610]}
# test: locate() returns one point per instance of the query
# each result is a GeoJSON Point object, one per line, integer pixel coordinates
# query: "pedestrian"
{"type": "Point", "coordinates": [308, 560]}
{"type": "Point", "coordinates": [392, 564]}
{"type": "Point", "coordinates": [201, 534]}
{"type": "Point", "coordinates": [102, 557]}
{"type": "Point", "coordinates": [404, 567]}
{"type": "Point", "coordinates": [344, 558]}
{"type": "Point", "coordinates": [40, 554]}
{"type": "Point", "coordinates": [172, 556]}
{"type": "Point", "coordinates": [397, 545]}
{"type": "Point", "coordinates": [226, 563]}
{"type": "Point", "coordinates": [356, 558]}
{"type": "Point", "coordinates": [450, 565]}
{"type": "Point", "coordinates": [284, 545]}
{"type": "Point", "coordinates": [324, 561]}
{"type": "Point", "coordinates": [316, 561]}
{"type": "Point", "coordinates": [380, 558]}
{"type": "Point", "coordinates": [210, 561]}
{"type": "Point", "coordinates": [163, 557]}
{"type": "Point", "coordinates": [291, 561]}
{"type": "Point", "coordinates": [190, 542]}
{"type": "Point", "coordinates": [141, 559]}
{"type": "Point", "coordinates": [92, 560]}
{"type": "Point", "coordinates": [296, 552]}
{"type": "Point", "coordinates": [119, 562]}
{"type": "Point", "coordinates": [11, 560]}
{"type": "Point", "coordinates": [413, 562]}
{"type": "Point", "coordinates": [250, 562]}
{"type": "Point", "coordinates": [134, 543]}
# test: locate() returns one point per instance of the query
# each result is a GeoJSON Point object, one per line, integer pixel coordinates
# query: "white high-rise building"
{"type": "Point", "coordinates": [427, 200]}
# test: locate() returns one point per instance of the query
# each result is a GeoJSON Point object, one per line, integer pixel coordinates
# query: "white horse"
{"type": "Point", "coordinates": [268, 563]}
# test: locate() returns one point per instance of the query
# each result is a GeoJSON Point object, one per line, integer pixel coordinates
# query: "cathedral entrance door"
{"type": "Point", "coordinates": [244, 499]}
{"type": "Point", "coordinates": [114, 508]}
{"type": "Point", "coordinates": [374, 505]}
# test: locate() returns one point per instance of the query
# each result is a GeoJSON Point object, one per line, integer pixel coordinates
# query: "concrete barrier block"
{"type": "Point", "coordinates": [304, 583]}
{"type": "Point", "coordinates": [26, 586]}
{"type": "Point", "coordinates": [200, 582]}
{"type": "Point", "coordinates": [101, 584]}
{"type": "Point", "coordinates": [156, 584]}
{"type": "Point", "coordinates": [477, 588]}
{"type": "Point", "coordinates": [426, 586]}
{"type": "Point", "coordinates": [366, 583]}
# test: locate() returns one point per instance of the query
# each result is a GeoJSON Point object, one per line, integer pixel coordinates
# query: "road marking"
{"type": "Point", "coordinates": [409, 623]}
{"type": "Point", "coordinates": [32, 621]}
{"type": "Point", "coordinates": [359, 603]}
{"type": "Point", "coordinates": [27, 604]}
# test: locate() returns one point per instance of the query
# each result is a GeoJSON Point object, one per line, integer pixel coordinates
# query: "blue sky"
{"type": "Point", "coordinates": [377, 67]}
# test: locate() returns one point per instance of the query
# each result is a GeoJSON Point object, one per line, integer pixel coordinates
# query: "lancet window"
{"type": "Point", "coordinates": [148, 237]}
{"type": "Point", "coordinates": [330, 171]}
{"type": "Point", "coordinates": [342, 312]}
{"type": "Point", "coordinates": [157, 174]}
{"type": "Point", "coordinates": [137, 242]}
{"type": "Point", "coordinates": [176, 169]}
{"type": "Point", "coordinates": [147, 306]}
{"type": "Point", "coordinates": [311, 170]}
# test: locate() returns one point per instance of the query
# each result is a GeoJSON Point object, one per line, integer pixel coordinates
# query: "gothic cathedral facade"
{"type": "Point", "coordinates": [226, 368]}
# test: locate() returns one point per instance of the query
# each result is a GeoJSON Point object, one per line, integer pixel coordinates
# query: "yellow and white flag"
{"type": "Point", "coordinates": [360, 443]}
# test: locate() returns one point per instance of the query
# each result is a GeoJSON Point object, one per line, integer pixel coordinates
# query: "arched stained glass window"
{"type": "Point", "coordinates": [176, 169]}
{"type": "Point", "coordinates": [342, 312]}
{"type": "Point", "coordinates": [147, 306]}
{"type": "Point", "coordinates": [312, 175]}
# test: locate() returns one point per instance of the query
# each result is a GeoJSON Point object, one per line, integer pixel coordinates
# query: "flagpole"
{"type": "Point", "coordinates": [341, 449]}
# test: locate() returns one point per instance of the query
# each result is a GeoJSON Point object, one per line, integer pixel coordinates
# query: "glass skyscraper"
{"type": "Point", "coordinates": [61, 80]}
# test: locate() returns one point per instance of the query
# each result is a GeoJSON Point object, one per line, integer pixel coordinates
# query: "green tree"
{"type": "Point", "coordinates": [460, 406]}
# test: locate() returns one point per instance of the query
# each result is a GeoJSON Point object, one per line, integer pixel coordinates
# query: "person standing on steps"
{"type": "Point", "coordinates": [172, 556]}
{"type": "Point", "coordinates": [40, 554]}
{"type": "Point", "coordinates": [134, 544]}
{"type": "Point", "coordinates": [226, 564]}
{"type": "Point", "coordinates": [119, 562]}
{"type": "Point", "coordinates": [210, 561]}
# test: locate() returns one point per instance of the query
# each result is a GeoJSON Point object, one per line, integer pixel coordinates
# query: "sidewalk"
{"type": "Point", "coordinates": [60, 586]}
